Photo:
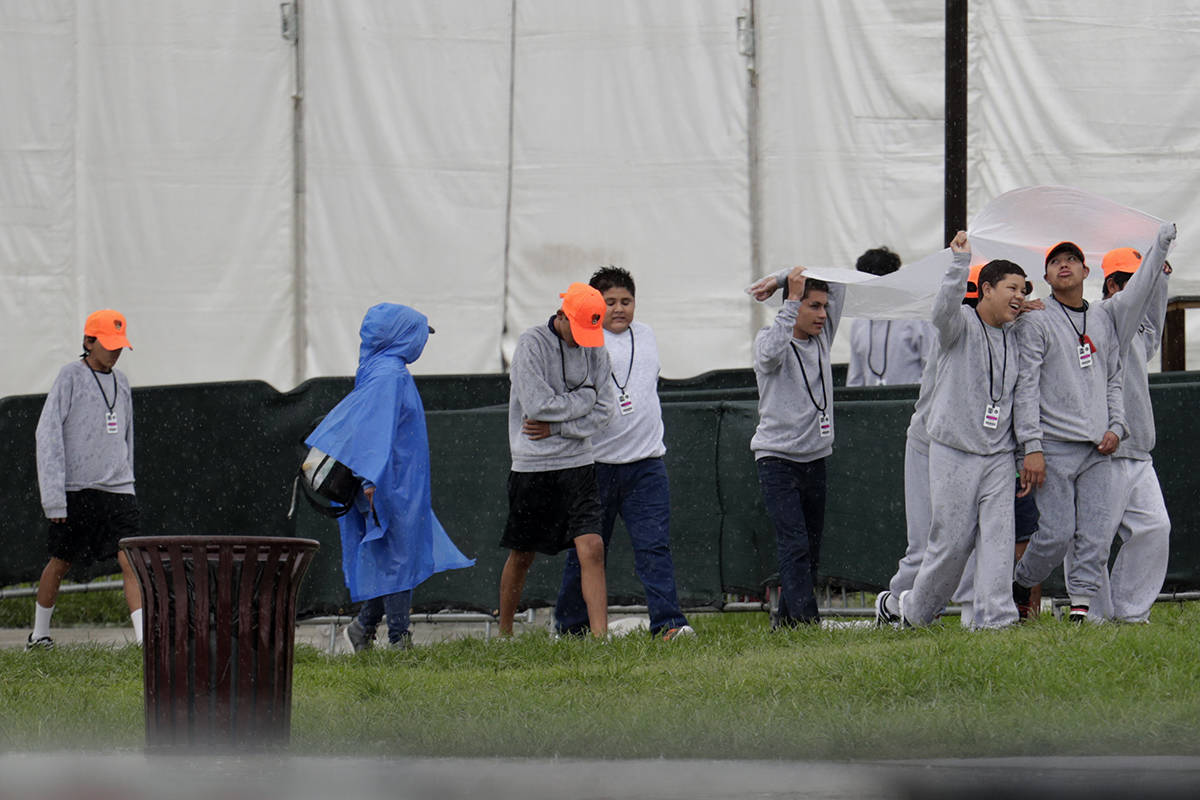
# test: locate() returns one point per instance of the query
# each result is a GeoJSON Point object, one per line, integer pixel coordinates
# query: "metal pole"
{"type": "Point", "coordinates": [956, 119]}
{"type": "Point", "coordinates": [299, 188]}
{"type": "Point", "coordinates": [512, 71]}
{"type": "Point", "coordinates": [748, 48]}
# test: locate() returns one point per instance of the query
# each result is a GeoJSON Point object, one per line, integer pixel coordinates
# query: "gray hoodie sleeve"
{"type": "Point", "coordinates": [51, 453]}
{"type": "Point", "coordinates": [539, 400]}
{"type": "Point", "coordinates": [1113, 390]}
{"type": "Point", "coordinates": [1156, 317]}
{"type": "Point", "coordinates": [1128, 307]}
{"type": "Point", "coordinates": [837, 303]}
{"type": "Point", "coordinates": [1027, 397]}
{"type": "Point", "coordinates": [771, 347]}
{"type": "Point", "coordinates": [946, 317]}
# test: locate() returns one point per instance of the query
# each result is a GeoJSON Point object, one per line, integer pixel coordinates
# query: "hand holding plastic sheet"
{"type": "Point", "coordinates": [1020, 226]}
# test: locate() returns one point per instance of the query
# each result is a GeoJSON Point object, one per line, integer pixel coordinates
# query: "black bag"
{"type": "Point", "coordinates": [329, 485]}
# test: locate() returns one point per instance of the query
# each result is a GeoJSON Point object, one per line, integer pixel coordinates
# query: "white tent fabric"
{"type": "Point", "coordinates": [407, 123]}
{"type": "Point", "coordinates": [471, 158]}
{"type": "Point", "coordinates": [629, 148]}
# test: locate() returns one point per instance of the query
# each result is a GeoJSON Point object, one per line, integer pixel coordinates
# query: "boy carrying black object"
{"type": "Point", "coordinates": [560, 395]}
{"type": "Point", "coordinates": [971, 448]}
{"type": "Point", "coordinates": [85, 469]}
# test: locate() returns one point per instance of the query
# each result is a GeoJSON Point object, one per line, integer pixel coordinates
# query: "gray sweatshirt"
{"type": "Point", "coordinates": [75, 451]}
{"type": "Point", "coordinates": [789, 421]}
{"type": "Point", "coordinates": [1056, 398]}
{"type": "Point", "coordinates": [638, 434]}
{"type": "Point", "coordinates": [1138, 312]}
{"type": "Point", "coordinates": [964, 390]}
{"type": "Point", "coordinates": [569, 387]}
{"type": "Point", "coordinates": [888, 351]}
{"type": "Point", "coordinates": [916, 424]}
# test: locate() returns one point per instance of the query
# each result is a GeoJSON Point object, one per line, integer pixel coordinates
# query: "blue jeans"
{"type": "Point", "coordinates": [794, 494]}
{"type": "Point", "coordinates": [397, 606]}
{"type": "Point", "coordinates": [641, 494]}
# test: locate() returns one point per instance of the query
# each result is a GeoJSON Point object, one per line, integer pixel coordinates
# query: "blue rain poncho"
{"type": "Point", "coordinates": [378, 431]}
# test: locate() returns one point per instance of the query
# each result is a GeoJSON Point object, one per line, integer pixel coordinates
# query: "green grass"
{"type": "Point", "coordinates": [72, 608]}
{"type": "Point", "coordinates": [735, 691]}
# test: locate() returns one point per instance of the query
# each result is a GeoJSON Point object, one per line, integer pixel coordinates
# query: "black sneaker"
{"type": "Point", "coordinates": [40, 643]}
{"type": "Point", "coordinates": [883, 617]}
{"type": "Point", "coordinates": [1021, 596]}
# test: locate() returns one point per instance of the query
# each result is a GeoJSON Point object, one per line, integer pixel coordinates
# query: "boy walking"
{"type": "Point", "coordinates": [85, 469]}
{"type": "Point", "coordinates": [1069, 418]}
{"type": "Point", "coordinates": [971, 461]}
{"type": "Point", "coordinates": [560, 396]}
{"type": "Point", "coordinates": [630, 473]}
{"type": "Point", "coordinates": [795, 434]}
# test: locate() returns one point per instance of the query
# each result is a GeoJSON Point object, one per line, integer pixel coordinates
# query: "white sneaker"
{"type": "Point", "coordinates": [682, 632]}
{"type": "Point", "coordinates": [903, 622]}
{"type": "Point", "coordinates": [883, 617]}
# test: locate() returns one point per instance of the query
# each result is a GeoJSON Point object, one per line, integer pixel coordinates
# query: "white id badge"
{"type": "Point", "coordinates": [1085, 355]}
{"type": "Point", "coordinates": [110, 422]}
{"type": "Point", "coordinates": [826, 426]}
{"type": "Point", "coordinates": [625, 403]}
{"type": "Point", "coordinates": [881, 381]}
{"type": "Point", "coordinates": [991, 417]}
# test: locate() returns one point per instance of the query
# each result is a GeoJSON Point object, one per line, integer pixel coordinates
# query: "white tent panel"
{"type": "Point", "coordinates": [851, 131]}
{"type": "Point", "coordinates": [630, 148]}
{"type": "Point", "coordinates": [37, 204]}
{"type": "Point", "coordinates": [184, 185]}
{"type": "Point", "coordinates": [407, 122]}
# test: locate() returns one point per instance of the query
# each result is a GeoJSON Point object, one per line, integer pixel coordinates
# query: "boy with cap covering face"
{"type": "Point", "coordinates": [1069, 418]}
{"type": "Point", "coordinates": [1135, 296]}
{"type": "Point", "coordinates": [560, 395]}
{"type": "Point", "coordinates": [85, 469]}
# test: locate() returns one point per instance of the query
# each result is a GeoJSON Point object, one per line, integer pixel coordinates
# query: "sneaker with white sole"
{"type": "Point", "coordinates": [682, 632]}
{"type": "Point", "coordinates": [40, 643]}
{"type": "Point", "coordinates": [883, 617]}
{"type": "Point", "coordinates": [356, 636]}
{"type": "Point", "coordinates": [903, 622]}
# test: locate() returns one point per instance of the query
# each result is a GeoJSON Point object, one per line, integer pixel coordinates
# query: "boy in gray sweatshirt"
{"type": "Point", "coordinates": [795, 434]}
{"type": "Point", "coordinates": [1135, 296]}
{"type": "Point", "coordinates": [1069, 418]}
{"type": "Point", "coordinates": [560, 395]}
{"type": "Point", "coordinates": [971, 461]}
{"type": "Point", "coordinates": [85, 469]}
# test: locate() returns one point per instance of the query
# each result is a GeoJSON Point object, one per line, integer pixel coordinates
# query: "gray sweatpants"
{"type": "Point", "coordinates": [1145, 532]}
{"type": "Point", "coordinates": [972, 509]}
{"type": "Point", "coordinates": [1075, 519]}
{"type": "Point", "coordinates": [917, 513]}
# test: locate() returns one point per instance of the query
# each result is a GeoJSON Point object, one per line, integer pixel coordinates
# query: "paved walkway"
{"type": "Point", "coordinates": [134, 776]}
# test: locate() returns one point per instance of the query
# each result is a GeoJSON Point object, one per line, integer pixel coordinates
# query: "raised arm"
{"type": "Point", "coordinates": [947, 319]}
{"type": "Point", "coordinates": [1129, 306]}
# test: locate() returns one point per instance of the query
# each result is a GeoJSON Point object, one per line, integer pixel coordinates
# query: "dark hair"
{"type": "Point", "coordinates": [606, 278]}
{"type": "Point", "coordinates": [1119, 278]}
{"type": "Point", "coordinates": [995, 270]}
{"type": "Point", "coordinates": [880, 261]}
{"type": "Point", "coordinates": [814, 284]}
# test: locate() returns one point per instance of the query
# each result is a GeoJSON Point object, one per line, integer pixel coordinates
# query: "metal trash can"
{"type": "Point", "coordinates": [220, 621]}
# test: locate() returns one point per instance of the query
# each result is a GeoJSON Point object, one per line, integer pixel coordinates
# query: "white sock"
{"type": "Point", "coordinates": [41, 620]}
{"type": "Point", "coordinates": [136, 618]}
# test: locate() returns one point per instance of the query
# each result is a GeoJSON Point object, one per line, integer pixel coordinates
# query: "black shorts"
{"type": "Point", "coordinates": [96, 521]}
{"type": "Point", "coordinates": [547, 510]}
{"type": "Point", "coordinates": [1026, 514]}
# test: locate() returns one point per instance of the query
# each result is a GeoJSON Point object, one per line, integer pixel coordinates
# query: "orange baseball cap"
{"type": "Point", "coordinates": [109, 328]}
{"type": "Point", "coordinates": [1065, 247]}
{"type": "Point", "coordinates": [1122, 259]}
{"type": "Point", "coordinates": [585, 309]}
{"type": "Point", "coordinates": [973, 282]}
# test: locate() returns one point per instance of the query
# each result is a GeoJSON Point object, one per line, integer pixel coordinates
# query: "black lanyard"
{"type": "Point", "coordinates": [1083, 337]}
{"type": "Point", "coordinates": [887, 335]}
{"type": "Point", "coordinates": [987, 340]}
{"type": "Point", "coordinates": [108, 405]}
{"type": "Point", "coordinates": [629, 372]}
{"type": "Point", "coordinates": [821, 369]}
{"type": "Point", "coordinates": [562, 360]}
